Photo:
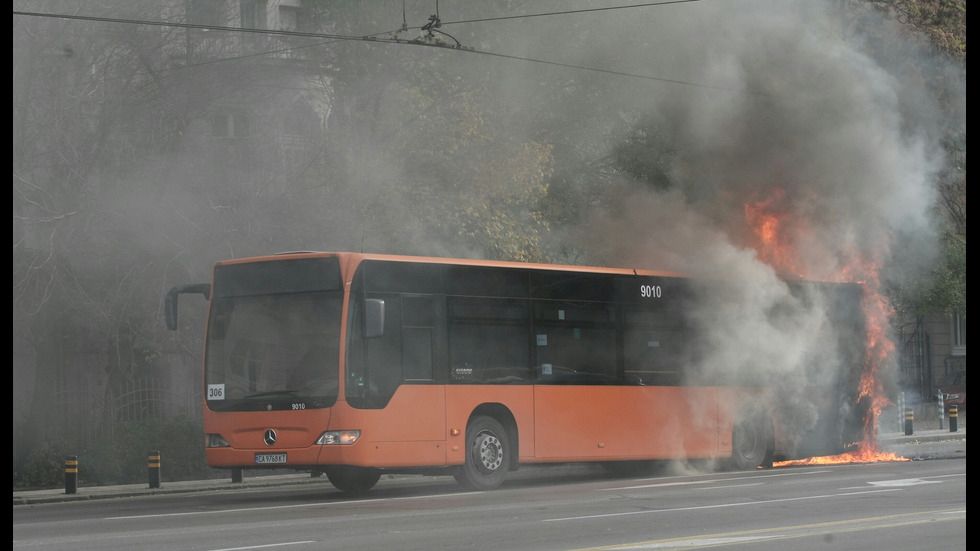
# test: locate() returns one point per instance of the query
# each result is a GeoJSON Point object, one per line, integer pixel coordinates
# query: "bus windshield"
{"type": "Point", "coordinates": [273, 340]}
{"type": "Point", "coordinates": [273, 352]}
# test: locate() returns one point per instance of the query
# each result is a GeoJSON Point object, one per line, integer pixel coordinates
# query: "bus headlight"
{"type": "Point", "coordinates": [338, 437]}
{"type": "Point", "coordinates": [217, 441]}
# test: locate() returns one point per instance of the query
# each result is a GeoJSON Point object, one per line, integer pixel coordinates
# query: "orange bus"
{"type": "Point", "coordinates": [356, 365]}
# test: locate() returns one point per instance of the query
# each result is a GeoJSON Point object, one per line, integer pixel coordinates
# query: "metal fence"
{"type": "Point", "coordinates": [915, 371]}
{"type": "Point", "coordinates": [88, 409]}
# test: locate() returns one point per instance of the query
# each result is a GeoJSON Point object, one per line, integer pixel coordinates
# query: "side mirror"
{"type": "Point", "coordinates": [170, 302]}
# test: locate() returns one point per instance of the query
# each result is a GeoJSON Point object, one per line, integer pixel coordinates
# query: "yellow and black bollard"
{"type": "Point", "coordinates": [909, 417]}
{"type": "Point", "coordinates": [953, 411]}
{"type": "Point", "coordinates": [71, 474]}
{"type": "Point", "coordinates": [153, 464]}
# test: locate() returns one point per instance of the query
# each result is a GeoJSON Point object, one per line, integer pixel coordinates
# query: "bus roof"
{"type": "Point", "coordinates": [352, 259]}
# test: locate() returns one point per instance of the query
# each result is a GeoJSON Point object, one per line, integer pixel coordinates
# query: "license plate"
{"type": "Point", "coordinates": [269, 458]}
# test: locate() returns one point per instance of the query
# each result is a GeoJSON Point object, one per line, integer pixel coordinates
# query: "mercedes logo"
{"type": "Point", "coordinates": [270, 437]}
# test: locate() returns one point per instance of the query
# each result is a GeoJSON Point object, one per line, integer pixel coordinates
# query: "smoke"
{"type": "Point", "coordinates": [743, 113]}
{"type": "Point", "coordinates": [775, 104]}
{"type": "Point", "coordinates": [800, 111]}
{"type": "Point", "coordinates": [772, 107]}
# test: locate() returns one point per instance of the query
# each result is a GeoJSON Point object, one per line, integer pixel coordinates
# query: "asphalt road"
{"type": "Point", "coordinates": [893, 504]}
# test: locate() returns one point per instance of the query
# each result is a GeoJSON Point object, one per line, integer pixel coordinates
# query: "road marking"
{"type": "Point", "coordinates": [720, 506]}
{"type": "Point", "coordinates": [902, 482]}
{"type": "Point", "coordinates": [272, 507]}
{"type": "Point", "coordinates": [790, 532]}
{"type": "Point", "coordinates": [711, 481]}
{"type": "Point", "coordinates": [266, 546]}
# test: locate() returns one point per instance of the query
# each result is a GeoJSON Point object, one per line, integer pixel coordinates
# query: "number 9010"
{"type": "Point", "coordinates": [650, 291]}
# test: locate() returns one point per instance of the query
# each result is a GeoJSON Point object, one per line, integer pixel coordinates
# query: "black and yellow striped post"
{"type": "Point", "coordinates": [909, 417]}
{"type": "Point", "coordinates": [153, 467]}
{"type": "Point", "coordinates": [71, 474]}
{"type": "Point", "coordinates": [953, 411]}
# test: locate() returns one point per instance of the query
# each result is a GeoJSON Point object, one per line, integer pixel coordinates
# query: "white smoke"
{"type": "Point", "coordinates": [775, 103]}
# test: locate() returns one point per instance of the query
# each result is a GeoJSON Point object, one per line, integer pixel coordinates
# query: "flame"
{"type": "Point", "coordinates": [771, 222]}
{"type": "Point", "coordinates": [864, 454]}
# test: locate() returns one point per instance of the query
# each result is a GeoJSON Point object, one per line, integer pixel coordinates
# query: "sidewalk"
{"type": "Point", "coordinates": [83, 493]}
{"type": "Point", "coordinates": [931, 436]}
{"type": "Point", "coordinates": [925, 421]}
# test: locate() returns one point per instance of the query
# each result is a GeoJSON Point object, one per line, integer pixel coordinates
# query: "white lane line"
{"type": "Point", "coordinates": [272, 508]}
{"type": "Point", "coordinates": [719, 506]}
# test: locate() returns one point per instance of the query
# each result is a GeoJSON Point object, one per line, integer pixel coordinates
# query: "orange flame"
{"type": "Point", "coordinates": [768, 220]}
{"type": "Point", "coordinates": [864, 454]}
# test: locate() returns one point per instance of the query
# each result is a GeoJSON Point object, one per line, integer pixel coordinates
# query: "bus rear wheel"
{"type": "Point", "coordinates": [487, 455]}
{"type": "Point", "coordinates": [353, 480]}
{"type": "Point", "coordinates": [752, 441]}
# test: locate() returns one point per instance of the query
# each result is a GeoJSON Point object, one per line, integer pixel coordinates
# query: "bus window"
{"type": "Point", "coordinates": [418, 331]}
{"type": "Point", "coordinates": [654, 347]}
{"type": "Point", "coordinates": [488, 341]}
{"type": "Point", "coordinates": [575, 343]}
{"type": "Point", "coordinates": [377, 366]}
{"type": "Point", "coordinates": [374, 365]}
{"type": "Point", "coordinates": [652, 356]}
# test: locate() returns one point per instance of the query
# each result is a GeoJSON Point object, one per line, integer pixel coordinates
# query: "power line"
{"type": "Point", "coordinates": [620, 73]}
{"type": "Point", "coordinates": [187, 25]}
{"type": "Point", "coordinates": [570, 12]}
{"type": "Point", "coordinates": [376, 39]}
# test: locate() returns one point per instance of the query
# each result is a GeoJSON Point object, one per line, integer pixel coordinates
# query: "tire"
{"type": "Point", "coordinates": [487, 455]}
{"type": "Point", "coordinates": [752, 441]}
{"type": "Point", "coordinates": [353, 480]}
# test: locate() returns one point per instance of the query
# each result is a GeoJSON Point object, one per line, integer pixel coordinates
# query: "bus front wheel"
{"type": "Point", "coordinates": [752, 441]}
{"type": "Point", "coordinates": [353, 480]}
{"type": "Point", "coordinates": [487, 455]}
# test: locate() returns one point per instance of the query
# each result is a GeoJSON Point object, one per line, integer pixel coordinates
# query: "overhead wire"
{"type": "Point", "coordinates": [569, 12]}
{"type": "Point", "coordinates": [433, 22]}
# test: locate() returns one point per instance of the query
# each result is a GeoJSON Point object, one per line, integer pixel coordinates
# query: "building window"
{"type": "Point", "coordinates": [204, 12]}
{"type": "Point", "coordinates": [288, 18]}
{"type": "Point", "coordinates": [959, 334]}
{"type": "Point", "coordinates": [253, 14]}
{"type": "Point", "coordinates": [227, 124]}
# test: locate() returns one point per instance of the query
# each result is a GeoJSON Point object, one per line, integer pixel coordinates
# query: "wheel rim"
{"type": "Point", "coordinates": [489, 451]}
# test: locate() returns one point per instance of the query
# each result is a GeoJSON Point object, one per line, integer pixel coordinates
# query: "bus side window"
{"type": "Point", "coordinates": [354, 360]}
{"type": "Point", "coordinates": [488, 342]}
{"type": "Point", "coordinates": [384, 357]}
{"type": "Point", "coordinates": [374, 318]}
{"type": "Point", "coordinates": [575, 343]}
{"type": "Point", "coordinates": [418, 332]}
